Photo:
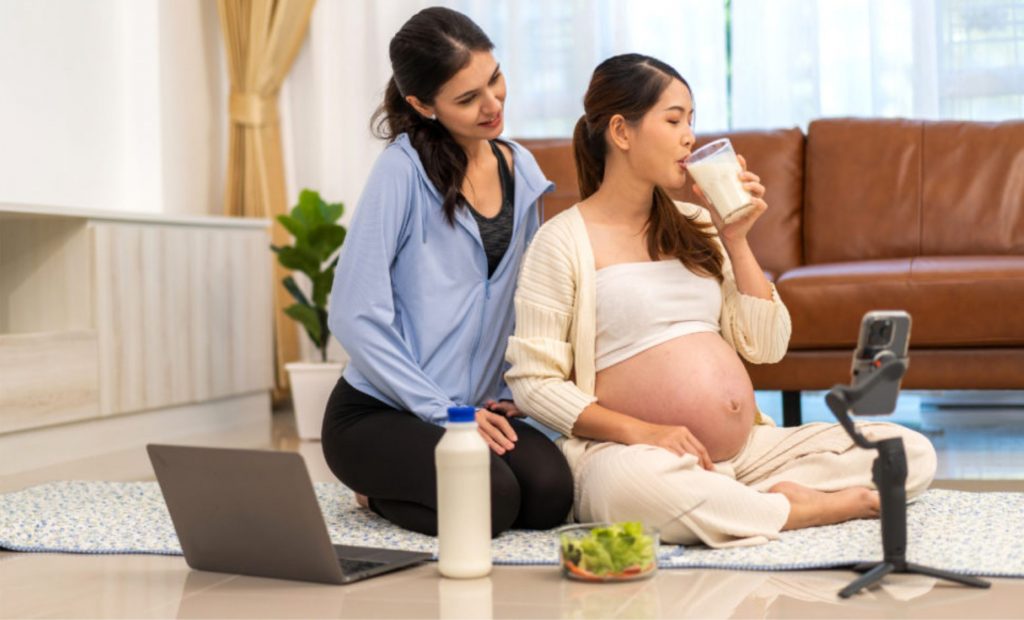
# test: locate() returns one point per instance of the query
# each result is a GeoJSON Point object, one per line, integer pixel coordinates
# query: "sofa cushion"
{"type": "Point", "coordinates": [966, 301]}
{"type": "Point", "coordinates": [973, 188]}
{"type": "Point", "coordinates": [863, 192]}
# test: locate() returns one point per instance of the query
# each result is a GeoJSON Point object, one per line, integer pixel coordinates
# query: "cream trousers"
{"type": "Point", "coordinates": [616, 482]}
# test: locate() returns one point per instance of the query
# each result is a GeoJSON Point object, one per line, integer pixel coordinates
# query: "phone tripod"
{"type": "Point", "coordinates": [890, 475]}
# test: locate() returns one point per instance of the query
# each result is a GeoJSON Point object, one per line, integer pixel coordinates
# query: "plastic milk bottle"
{"type": "Point", "coordinates": [463, 463]}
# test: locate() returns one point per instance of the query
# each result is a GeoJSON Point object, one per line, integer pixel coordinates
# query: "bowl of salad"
{"type": "Point", "coordinates": [608, 551]}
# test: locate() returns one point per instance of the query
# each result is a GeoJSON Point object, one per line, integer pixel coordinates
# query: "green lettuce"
{"type": "Point", "coordinates": [610, 550]}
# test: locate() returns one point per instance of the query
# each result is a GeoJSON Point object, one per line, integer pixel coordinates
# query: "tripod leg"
{"type": "Point", "coordinates": [867, 579]}
{"type": "Point", "coordinates": [966, 580]}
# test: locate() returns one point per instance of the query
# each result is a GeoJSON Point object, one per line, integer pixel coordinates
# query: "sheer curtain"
{"type": "Point", "coordinates": [797, 60]}
{"type": "Point", "coordinates": [549, 49]}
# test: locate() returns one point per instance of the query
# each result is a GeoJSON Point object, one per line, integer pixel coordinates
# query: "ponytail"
{"type": "Point", "coordinates": [589, 158]}
{"type": "Point", "coordinates": [443, 159]}
{"type": "Point", "coordinates": [394, 116]}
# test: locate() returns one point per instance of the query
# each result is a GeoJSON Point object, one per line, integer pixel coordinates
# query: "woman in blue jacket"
{"type": "Point", "coordinates": [423, 295]}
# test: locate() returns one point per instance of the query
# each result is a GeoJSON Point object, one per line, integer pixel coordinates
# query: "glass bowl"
{"type": "Point", "coordinates": [603, 552]}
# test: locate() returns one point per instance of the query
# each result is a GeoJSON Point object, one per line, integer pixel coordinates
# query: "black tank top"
{"type": "Point", "coordinates": [496, 232]}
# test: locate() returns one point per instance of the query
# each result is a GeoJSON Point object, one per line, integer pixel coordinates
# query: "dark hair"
{"type": "Point", "coordinates": [426, 52]}
{"type": "Point", "coordinates": [630, 85]}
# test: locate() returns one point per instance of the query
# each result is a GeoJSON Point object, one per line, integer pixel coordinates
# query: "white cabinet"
{"type": "Point", "coordinates": [105, 314]}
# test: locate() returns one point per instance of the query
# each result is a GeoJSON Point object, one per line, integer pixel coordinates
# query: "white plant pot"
{"type": "Point", "coordinates": [312, 383]}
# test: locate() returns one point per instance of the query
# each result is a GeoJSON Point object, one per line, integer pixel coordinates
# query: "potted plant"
{"type": "Point", "coordinates": [314, 253]}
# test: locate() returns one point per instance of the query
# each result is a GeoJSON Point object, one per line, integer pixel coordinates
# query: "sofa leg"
{"type": "Point", "coordinates": [791, 414]}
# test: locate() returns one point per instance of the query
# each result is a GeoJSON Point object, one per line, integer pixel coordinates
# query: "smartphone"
{"type": "Point", "coordinates": [884, 334]}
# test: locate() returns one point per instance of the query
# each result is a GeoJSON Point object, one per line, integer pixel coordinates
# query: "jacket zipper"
{"type": "Point", "coordinates": [479, 336]}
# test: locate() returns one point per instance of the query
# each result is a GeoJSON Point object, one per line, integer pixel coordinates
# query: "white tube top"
{"type": "Point", "coordinates": [641, 305]}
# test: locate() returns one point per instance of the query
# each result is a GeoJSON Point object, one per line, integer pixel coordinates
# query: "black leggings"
{"type": "Point", "coordinates": [388, 455]}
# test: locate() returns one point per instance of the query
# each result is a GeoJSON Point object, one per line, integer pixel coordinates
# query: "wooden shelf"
{"type": "Point", "coordinates": [101, 315]}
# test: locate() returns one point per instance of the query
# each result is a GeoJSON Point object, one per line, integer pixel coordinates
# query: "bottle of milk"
{"type": "Point", "coordinates": [463, 464]}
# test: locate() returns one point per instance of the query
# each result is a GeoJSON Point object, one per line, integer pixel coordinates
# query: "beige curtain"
{"type": "Point", "coordinates": [262, 38]}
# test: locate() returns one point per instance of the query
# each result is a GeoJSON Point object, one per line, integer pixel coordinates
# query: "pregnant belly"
{"type": "Point", "coordinates": [696, 381]}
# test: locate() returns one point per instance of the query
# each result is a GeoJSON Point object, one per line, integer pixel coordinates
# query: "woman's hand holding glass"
{"type": "Point", "coordinates": [737, 229]}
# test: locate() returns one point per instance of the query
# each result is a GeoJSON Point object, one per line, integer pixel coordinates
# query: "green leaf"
{"type": "Point", "coordinates": [294, 226]}
{"type": "Point", "coordinates": [292, 287]}
{"type": "Point", "coordinates": [334, 211]}
{"type": "Point", "coordinates": [310, 319]}
{"type": "Point", "coordinates": [325, 239]}
{"type": "Point", "coordinates": [301, 259]}
{"type": "Point", "coordinates": [322, 287]}
{"type": "Point", "coordinates": [308, 209]}
{"type": "Point", "coordinates": [329, 213]}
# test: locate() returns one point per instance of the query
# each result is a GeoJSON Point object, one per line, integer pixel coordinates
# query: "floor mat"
{"type": "Point", "coordinates": [967, 533]}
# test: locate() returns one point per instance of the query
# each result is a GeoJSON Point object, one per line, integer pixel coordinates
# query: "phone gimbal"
{"type": "Point", "coordinates": [889, 473]}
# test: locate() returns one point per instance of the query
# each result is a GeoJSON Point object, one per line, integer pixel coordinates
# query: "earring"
{"type": "Point", "coordinates": [433, 117]}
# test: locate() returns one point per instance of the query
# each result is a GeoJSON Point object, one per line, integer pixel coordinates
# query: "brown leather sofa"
{"type": "Point", "coordinates": [869, 214]}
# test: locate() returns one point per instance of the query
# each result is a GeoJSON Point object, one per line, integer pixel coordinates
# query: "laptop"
{"type": "Point", "coordinates": [254, 512]}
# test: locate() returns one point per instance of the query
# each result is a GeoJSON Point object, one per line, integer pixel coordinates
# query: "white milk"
{"type": "Point", "coordinates": [463, 464]}
{"type": "Point", "coordinates": [718, 179]}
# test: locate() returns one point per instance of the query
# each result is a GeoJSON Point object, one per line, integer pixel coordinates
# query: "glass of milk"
{"type": "Point", "coordinates": [716, 170]}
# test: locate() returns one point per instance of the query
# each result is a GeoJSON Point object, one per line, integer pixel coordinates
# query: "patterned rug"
{"type": "Point", "coordinates": [967, 533]}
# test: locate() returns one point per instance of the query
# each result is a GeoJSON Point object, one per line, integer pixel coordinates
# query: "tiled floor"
{"type": "Point", "coordinates": [980, 448]}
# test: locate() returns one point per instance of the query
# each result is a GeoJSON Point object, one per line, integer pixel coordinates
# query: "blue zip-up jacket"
{"type": "Point", "coordinates": [412, 305]}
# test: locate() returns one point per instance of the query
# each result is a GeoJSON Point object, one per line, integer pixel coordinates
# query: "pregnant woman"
{"type": "Point", "coordinates": [632, 313]}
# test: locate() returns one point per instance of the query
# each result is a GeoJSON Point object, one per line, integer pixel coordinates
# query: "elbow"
{"type": "Point", "coordinates": [527, 396]}
{"type": "Point", "coordinates": [775, 356]}
{"type": "Point", "coordinates": [341, 325]}
{"type": "Point", "coordinates": [520, 394]}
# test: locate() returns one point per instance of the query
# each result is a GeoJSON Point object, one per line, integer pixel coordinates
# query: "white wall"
{"type": "Point", "coordinates": [194, 88]}
{"type": "Point", "coordinates": [112, 104]}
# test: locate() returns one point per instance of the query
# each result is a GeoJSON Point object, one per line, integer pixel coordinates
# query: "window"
{"type": "Point", "coordinates": [782, 63]}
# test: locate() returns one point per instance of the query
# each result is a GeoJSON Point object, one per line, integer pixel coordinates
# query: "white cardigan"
{"type": "Point", "coordinates": [552, 352]}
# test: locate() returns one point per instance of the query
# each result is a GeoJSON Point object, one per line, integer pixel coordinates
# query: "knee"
{"type": "Point", "coordinates": [506, 496]}
{"type": "Point", "coordinates": [546, 499]}
{"type": "Point", "coordinates": [633, 483]}
{"type": "Point", "coordinates": [554, 483]}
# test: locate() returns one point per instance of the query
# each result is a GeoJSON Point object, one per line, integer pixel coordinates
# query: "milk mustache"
{"type": "Point", "coordinates": [463, 463]}
{"type": "Point", "coordinates": [716, 170]}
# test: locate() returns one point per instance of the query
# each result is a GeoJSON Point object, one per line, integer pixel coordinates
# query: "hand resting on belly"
{"type": "Point", "coordinates": [696, 381]}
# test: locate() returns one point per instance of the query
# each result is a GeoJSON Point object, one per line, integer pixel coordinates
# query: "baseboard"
{"type": "Point", "coordinates": [34, 449]}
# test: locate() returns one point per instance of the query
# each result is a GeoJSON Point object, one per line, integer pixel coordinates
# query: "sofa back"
{"type": "Point", "coordinates": [890, 188]}
{"type": "Point", "coordinates": [777, 156]}
{"type": "Point", "coordinates": [861, 189]}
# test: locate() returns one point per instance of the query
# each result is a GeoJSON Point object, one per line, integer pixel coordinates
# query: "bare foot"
{"type": "Point", "coordinates": [362, 500]}
{"type": "Point", "coordinates": [809, 508]}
